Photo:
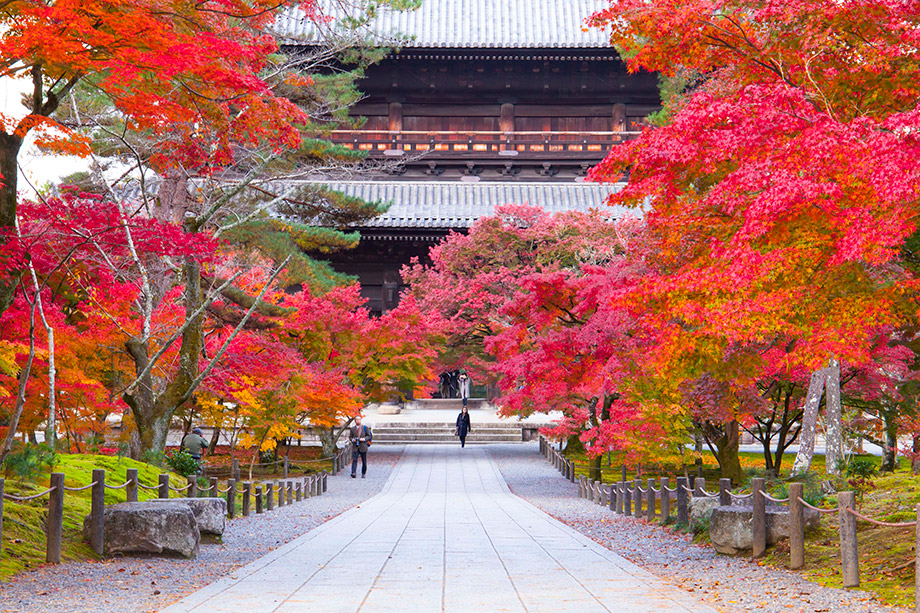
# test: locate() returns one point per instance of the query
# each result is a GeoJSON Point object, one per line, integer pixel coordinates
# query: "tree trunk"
{"type": "Point", "coordinates": [727, 452]}
{"type": "Point", "coordinates": [809, 423]}
{"type": "Point", "coordinates": [833, 435]}
{"type": "Point", "coordinates": [9, 177]}
{"type": "Point", "coordinates": [915, 462]}
{"type": "Point", "coordinates": [890, 448]}
{"type": "Point", "coordinates": [215, 438]}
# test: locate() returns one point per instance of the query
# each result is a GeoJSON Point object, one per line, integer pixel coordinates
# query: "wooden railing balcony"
{"type": "Point", "coordinates": [442, 145]}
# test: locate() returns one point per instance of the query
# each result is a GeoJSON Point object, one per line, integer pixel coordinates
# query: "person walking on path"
{"type": "Point", "coordinates": [464, 382]}
{"type": "Point", "coordinates": [360, 437]}
{"type": "Point", "coordinates": [463, 425]}
{"type": "Point", "coordinates": [194, 444]}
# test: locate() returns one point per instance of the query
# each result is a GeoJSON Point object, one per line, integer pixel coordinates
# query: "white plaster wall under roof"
{"type": "Point", "coordinates": [427, 204]}
{"type": "Point", "coordinates": [467, 24]}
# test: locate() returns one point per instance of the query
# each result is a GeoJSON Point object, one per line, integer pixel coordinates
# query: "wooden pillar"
{"type": "Point", "coordinates": [2, 481]}
{"type": "Point", "coordinates": [269, 497]}
{"type": "Point", "coordinates": [290, 492]}
{"type": "Point", "coordinates": [396, 117]}
{"type": "Point", "coordinates": [796, 527]}
{"type": "Point", "coordinates": [131, 489]}
{"type": "Point", "coordinates": [247, 492]}
{"type": "Point", "coordinates": [627, 506]}
{"type": "Point", "coordinates": [231, 498]}
{"type": "Point", "coordinates": [725, 486]}
{"type": "Point", "coordinates": [287, 467]}
{"type": "Point", "coordinates": [54, 528]}
{"type": "Point", "coordinates": [235, 470]}
{"type": "Point", "coordinates": [637, 497]}
{"type": "Point", "coordinates": [665, 500]}
{"type": "Point", "coordinates": [650, 506]}
{"type": "Point", "coordinates": [163, 491]}
{"type": "Point", "coordinates": [759, 519]}
{"type": "Point", "coordinates": [212, 492]}
{"type": "Point", "coordinates": [700, 488]}
{"type": "Point", "coordinates": [849, 556]}
{"type": "Point", "coordinates": [612, 497]}
{"type": "Point", "coordinates": [323, 488]}
{"type": "Point", "coordinates": [258, 499]}
{"type": "Point", "coordinates": [683, 503]}
{"type": "Point", "coordinates": [97, 512]}
{"type": "Point", "coordinates": [193, 487]}
{"type": "Point", "coordinates": [619, 118]}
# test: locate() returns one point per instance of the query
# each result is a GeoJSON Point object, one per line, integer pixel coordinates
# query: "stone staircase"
{"type": "Point", "coordinates": [400, 433]}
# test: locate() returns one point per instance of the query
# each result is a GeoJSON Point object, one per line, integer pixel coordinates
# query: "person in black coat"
{"type": "Point", "coordinates": [463, 426]}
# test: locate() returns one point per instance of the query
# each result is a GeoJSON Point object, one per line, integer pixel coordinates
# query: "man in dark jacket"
{"type": "Point", "coordinates": [360, 437]}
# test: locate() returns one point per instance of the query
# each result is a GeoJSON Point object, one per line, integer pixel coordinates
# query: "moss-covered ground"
{"type": "Point", "coordinates": [886, 555]}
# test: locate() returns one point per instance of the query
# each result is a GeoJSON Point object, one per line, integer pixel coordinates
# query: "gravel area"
{"type": "Point", "coordinates": [729, 584]}
{"type": "Point", "coordinates": [151, 583]}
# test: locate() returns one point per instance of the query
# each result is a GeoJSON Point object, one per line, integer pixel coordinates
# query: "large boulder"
{"type": "Point", "coordinates": [701, 511]}
{"type": "Point", "coordinates": [166, 527]}
{"type": "Point", "coordinates": [731, 533]}
{"type": "Point", "coordinates": [211, 514]}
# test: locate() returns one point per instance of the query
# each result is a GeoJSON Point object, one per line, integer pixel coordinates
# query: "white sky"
{"type": "Point", "coordinates": [38, 169]}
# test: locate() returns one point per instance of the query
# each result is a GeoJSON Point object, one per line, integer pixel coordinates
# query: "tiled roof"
{"type": "Point", "coordinates": [459, 205]}
{"type": "Point", "coordinates": [471, 24]}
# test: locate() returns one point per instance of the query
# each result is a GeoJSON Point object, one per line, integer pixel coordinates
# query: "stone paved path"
{"type": "Point", "coordinates": [444, 535]}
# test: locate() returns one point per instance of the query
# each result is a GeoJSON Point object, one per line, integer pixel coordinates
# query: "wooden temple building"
{"type": "Point", "coordinates": [486, 102]}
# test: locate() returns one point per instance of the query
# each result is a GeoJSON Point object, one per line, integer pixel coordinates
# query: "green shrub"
{"type": "Point", "coordinates": [862, 468]}
{"type": "Point", "coordinates": [182, 463]}
{"type": "Point", "coordinates": [26, 461]}
{"type": "Point", "coordinates": [812, 493]}
{"type": "Point", "coordinates": [154, 457]}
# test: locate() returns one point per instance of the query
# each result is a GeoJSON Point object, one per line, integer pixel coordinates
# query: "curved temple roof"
{"type": "Point", "coordinates": [468, 24]}
{"type": "Point", "coordinates": [458, 205]}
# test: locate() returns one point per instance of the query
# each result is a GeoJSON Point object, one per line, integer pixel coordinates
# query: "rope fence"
{"type": "Point", "coordinates": [626, 498]}
{"type": "Point", "coordinates": [289, 491]}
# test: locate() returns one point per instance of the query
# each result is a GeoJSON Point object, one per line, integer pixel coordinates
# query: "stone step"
{"type": "Point", "coordinates": [427, 438]}
{"type": "Point", "coordinates": [449, 403]}
{"type": "Point", "coordinates": [432, 424]}
{"type": "Point", "coordinates": [451, 441]}
{"type": "Point", "coordinates": [443, 430]}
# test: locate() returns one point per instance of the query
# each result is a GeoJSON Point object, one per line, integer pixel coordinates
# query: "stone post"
{"type": "Point", "coordinates": [796, 527]}
{"type": "Point", "coordinates": [54, 527]}
{"type": "Point", "coordinates": [163, 491]}
{"type": "Point", "coordinates": [637, 497]}
{"type": "Point", "coordinates": [683, 506]}
{"type": "Point", "coordinates": [247, 492]}
{"type": "Point", "coordinates": [725, 486]}
{"type": "Point", "coordinates": [665, 500]}
{"type": "Point", "coordinates": [131, 488]}
{"type": "Point", "coordinates": [97, 511]}
{"type": "Point", "coordinates": [759, 519]}
{"type": "Point", "coordinates": [231, 498]}
{"type": "Point", "coordinates": [700, 488]}
{"type": "Point", "coordinates": [650, 500]}
{"type": "Point", "coordinates": [849, 556]}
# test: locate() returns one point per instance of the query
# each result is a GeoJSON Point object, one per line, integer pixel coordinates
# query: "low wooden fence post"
{"type": "Point", "coordinates": [916, 557]}
{"type": "Point", "coordinates": [627, 509]}
{"type": "Point", "coordinates": [258, 499]}
{"type": "Point", "coordinates": [2, 481]}
{"type": "Point", "coordinates": [231, 498]}
{"type": "Point", "coordinates": [335, 463]}
{"type": "Point", "coordinates": [235, 470]}
{"type": "Point", "coordinates": [725, 488]}
{"type": "Point", "coordinates": [290, 492]}
{"type": "Point", "coordinates": [212, 493]}
{"type": "Point", "coordinates": [131, 489]}
{"type": "Point", "coordinates": [323, 488]}
{"type": "Point", "coordinates": [699, 489]}
{"type": "Point", "coordinates": [638, 497]}
{"type": "Point", "coordinates": [270, 496]}
{"type": "Point", "coordinates": [97, 512]}
{"type": "Point", "coordinates": [612, 497]}
{"type": "Point", "coordinates": [287, 467]}
{"type": "Point", "coordinates": [796, 526]}
{"type": "Point", "coordinates": [247, 492]}
{"type": "Point", "coordinates": [281, 494]}
{"type": "Point", "coordinates": [665, 501]}
{"type": "Point", "coordinates": [193, 487]}
{"type": "Point", "coordinates": [298, 491]}
{"type": "Point", "coordinates": [759, 518]}
{"type": "Point", "coordinates": [55, 523]}
{"type": "Point", "coordinates": [849, 556]}
{"type": "Point", "coordinates": [650, 506]}
{"type": "Point", "coordinates": [163, 491]}
{"type": "Point", "coordinates": [683, 503]}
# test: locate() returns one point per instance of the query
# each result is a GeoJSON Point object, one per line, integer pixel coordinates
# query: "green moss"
{"type": "Point", "coordinates": [23, 541]}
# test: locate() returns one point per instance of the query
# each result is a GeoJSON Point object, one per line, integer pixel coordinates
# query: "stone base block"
{"type": "Point", "coordinates": [166, 527]}
{"type": "Point", "coordinates": [730, 527]}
